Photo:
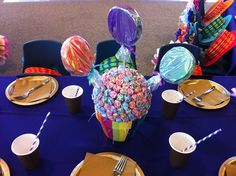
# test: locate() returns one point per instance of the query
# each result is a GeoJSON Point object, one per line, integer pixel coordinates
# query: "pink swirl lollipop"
{"type": "Point", "coordinates": [77, 57]}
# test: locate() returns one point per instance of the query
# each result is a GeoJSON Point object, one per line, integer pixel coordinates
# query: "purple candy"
{"type": "Point", "coordinates": [125, 25]}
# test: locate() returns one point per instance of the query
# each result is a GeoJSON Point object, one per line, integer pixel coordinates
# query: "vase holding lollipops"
{"type": "Point", "coordinates": [122, 101]}
{"type": "Point", "coordinates": [122, 96]}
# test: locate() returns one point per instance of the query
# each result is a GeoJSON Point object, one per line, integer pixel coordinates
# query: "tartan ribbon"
{"type": "Point", "coordinates": [213, 28]}
{"type": "Point", "coordinates": [221, 43]}
{"type": "Point", "coordinates": [41, 70]}
{"type": "Point", "coordinates": [111, 62]}
{"type": "Point", "coordinates": [216, 9]}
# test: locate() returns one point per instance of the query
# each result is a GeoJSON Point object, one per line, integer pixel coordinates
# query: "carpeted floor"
{"type": "Point", "coordinates": [22, 22]}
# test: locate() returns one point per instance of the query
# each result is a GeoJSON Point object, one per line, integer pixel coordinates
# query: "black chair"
{"type": "Point", "coordinates": [108, 48]}
{"type": "Point", "coordinates": [196, 51]}
{"type": "Point", "coordinates": [43, 53]}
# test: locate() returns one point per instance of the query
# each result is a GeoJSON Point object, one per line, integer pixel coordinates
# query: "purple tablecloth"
{"type": "Point", "coordinates": [66, 139]}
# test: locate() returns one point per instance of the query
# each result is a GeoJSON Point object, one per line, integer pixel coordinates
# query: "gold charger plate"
{"type": "Point", "coordinates": [10, 88]}
{"type": "Point", "coordinates": [218, 98]}
{"type": "Point", "coordinates": [115, 156]}
{"type": "Point", "coordinates": [4, 168]}
{"type": "Point", "coordinates": [222, 171]}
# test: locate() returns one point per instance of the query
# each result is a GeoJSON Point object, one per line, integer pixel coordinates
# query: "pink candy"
{"type": "Point", "coordinates": [134, 96]}
{"type": "Point", "coordinates": [120, 82]}
{"type": "Point", "coordinates": [130, 91]}
{"type": "Point", "coordinates": [107, 106]}
{"type": "Point", "coordinates": [132, 104]}
{"type": "Point", "coordinates": [109, 113]}
{"type": "Point", "coordinates": [117, 89]}
{"type": "Point", "coordinates": [100, 95]}
{"type": "Point", "coordinates": [100, 103]}
{"type": "Point", "coordinates": [113, 94]}
{"type": "Point", "coordinates": [117, 104]}
{"type": "Point", "coordinates": [110, 85]}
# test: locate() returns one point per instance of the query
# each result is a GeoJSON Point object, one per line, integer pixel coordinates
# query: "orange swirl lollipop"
{"type": "Point", "coordinates": [77, 57]}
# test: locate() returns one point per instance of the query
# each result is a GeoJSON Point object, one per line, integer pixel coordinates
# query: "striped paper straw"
{"type": "Point", "coordinates": [201, 140]}
{"type": "Point", "coordinates": [41, 128]}
{"type": "Point", "coordinates": [77, 92]}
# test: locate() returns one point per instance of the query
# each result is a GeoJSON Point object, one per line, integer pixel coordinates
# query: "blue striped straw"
{"type": "Point", "coordinates": [201, 140]}
{"type": "Point", "coordinates": [41, 128]}
{"type": "Point", "coordinates": [77, 92]}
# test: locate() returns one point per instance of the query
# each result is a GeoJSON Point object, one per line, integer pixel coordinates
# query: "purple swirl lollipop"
{"type": "Point", "coordinates": [125, 25]}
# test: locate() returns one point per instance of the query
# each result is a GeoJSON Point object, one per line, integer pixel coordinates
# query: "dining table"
{"type": "Point", "coordinates": [65, 138]}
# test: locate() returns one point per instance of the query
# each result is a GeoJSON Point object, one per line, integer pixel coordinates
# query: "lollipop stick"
{"type": "Point", "coordinates": [41, 128]}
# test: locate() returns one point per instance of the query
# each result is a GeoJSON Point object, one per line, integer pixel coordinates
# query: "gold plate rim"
{"type": "Point", "coordinates": [222, 167]}
{"type": "Point", "coordinates": [4, 167]}
{"type": "Point", "coordinates": [55, 89]}
{"type": "Point", "coordinates": [112, 155]}
{"type": "Point", "coordinates": [206, 107]}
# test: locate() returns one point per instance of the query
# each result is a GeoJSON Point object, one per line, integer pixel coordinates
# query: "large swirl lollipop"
{"type": "Point", "coordinates": [3, 49]}
{"type": "Point", "coordinates": [177, 65]}
{"type": "Point", "coordinates": [125, 26]}
{"type": "Point", "coordinates": [77, 57]}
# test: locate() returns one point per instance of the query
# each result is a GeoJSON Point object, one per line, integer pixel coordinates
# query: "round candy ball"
{"type": "Point", "coordinates": [124, 97]}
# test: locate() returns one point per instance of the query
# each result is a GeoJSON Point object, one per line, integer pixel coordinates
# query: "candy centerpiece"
{"type": "Point", "coordinates": [122, 96]}
{"type": "Point", "coordinates": [122, 99]}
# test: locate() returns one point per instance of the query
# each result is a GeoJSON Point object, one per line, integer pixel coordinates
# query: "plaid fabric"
{"type": "Point", "coordinates": [41, 70]}
{"type": "Point", "coordinates": [221, 43]}
{"type": "Point", "coordinates": [213, 28]}
{"type": "Point", "coordinates": [114, 130]}
{"type": "Point", "coordinates": [216, 9]}
{"type": "Point", "coordinates": [119, 131]}
{"type": "Point", "coordinates": [112, 62]}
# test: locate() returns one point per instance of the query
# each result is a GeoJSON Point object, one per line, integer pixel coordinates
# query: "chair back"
{"type": "Point", "coordinates": [109, 48]}
{"type": "Point", "coordinates": [43, 53]}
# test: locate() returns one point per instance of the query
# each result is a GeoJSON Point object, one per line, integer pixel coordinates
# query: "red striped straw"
{"type": "Point", "coordinates": [201, 140]}
{"type": "Point", "coordinates": [41, 128]}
